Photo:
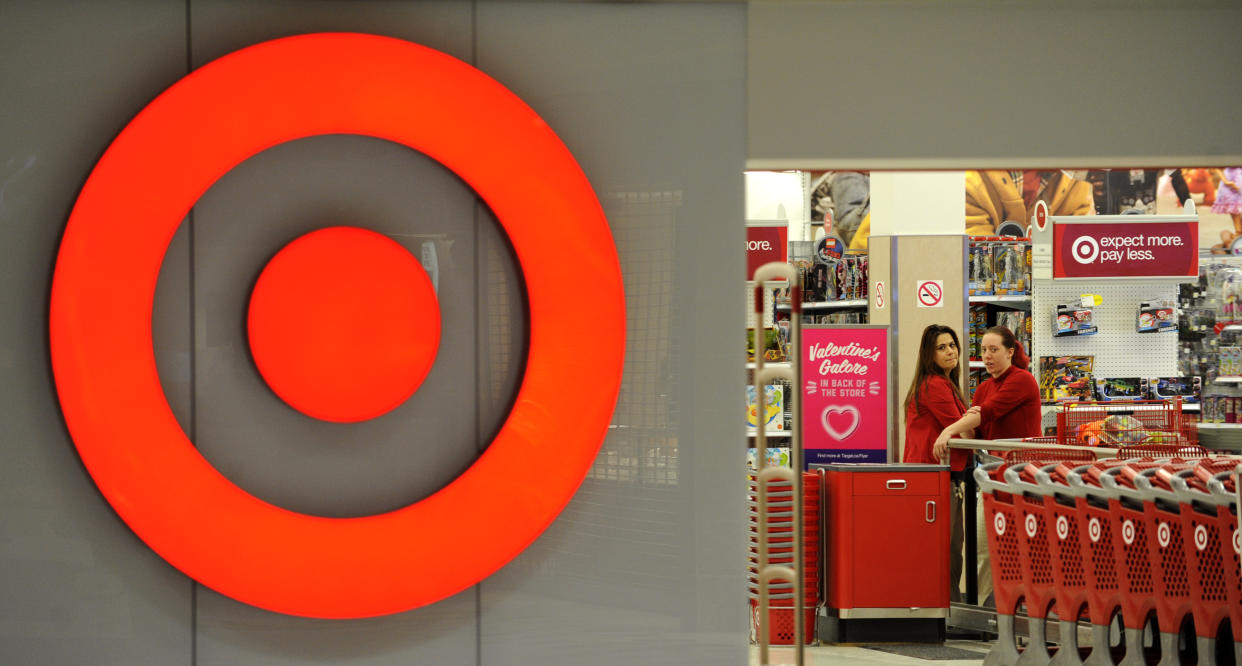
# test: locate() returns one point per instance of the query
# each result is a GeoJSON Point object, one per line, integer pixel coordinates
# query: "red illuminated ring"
{"type": "Point", "coordinates": [103, 292]}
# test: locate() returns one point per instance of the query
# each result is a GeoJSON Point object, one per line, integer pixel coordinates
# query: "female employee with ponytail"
{"type": "Point", "coordinates": [1006, 405]}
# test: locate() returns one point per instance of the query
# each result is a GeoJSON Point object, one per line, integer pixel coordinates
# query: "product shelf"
{"type": "Point", "coordinates": [1002, 299]}
{"type": "Point", "coordinates": [1218, 426]}
{"type": "Point", "coordinates": [827, 305]}
{"type": "Point", "coordinates": [771, 433]}
{"type": "Point", "coordinates": [1229, 379]}
{"type": "Point", "coordinates": [769, 364]}
{"type": "Point", "coordinates": [1118, 407]}
{"type": "Point", "coordinates": [976, 365]}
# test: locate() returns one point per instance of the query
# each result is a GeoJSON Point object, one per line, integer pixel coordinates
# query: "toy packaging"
{"type": "Point", "coordinates": [978, 324]}
{"type": "Point", "coordinates": [1073, 320]}
{"type": "Point", "coordinates": [1157, 316]}
{"type": "Point", "coordinates": [774, 412]}
{"type": "Point", "coordinates": [981, 271]}
{"type": "Point", "coordinates": [778, 456]}
{"type": "Point", "coordinates": [1189, 389]}
{"type": "Point", "coordinates": [1066, 378]}
{"type": "Point", "coordinates": [1230, 359]}
{"type": "Point", "coordinates": [1120, 389]}
{"type": "Point", "coordinates": [775, 343]}
{"type": "Point", "coordinates": [1009, 265]}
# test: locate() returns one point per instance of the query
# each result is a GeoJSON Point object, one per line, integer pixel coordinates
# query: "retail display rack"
{"type": "Point", "coordinates": [1109, 350]}
{"type": "Point", "coordinates": [999, 288]}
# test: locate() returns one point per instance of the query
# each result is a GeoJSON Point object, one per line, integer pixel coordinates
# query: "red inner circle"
{"type": "Point", "coordinates": [344, 324]}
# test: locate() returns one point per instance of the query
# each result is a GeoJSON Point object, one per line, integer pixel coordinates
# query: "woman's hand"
{"type": "Point", "coordinates": [976, 410]}
{"type": "Point", "coordinates": [941, 448]}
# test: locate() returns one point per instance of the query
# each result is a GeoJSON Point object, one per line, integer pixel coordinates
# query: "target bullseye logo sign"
{"type": "Point", "coordinates": [1062, 528]}
{"type": "Point", "coordinates": [1032, 526]}
{"type": "Point", "coordinates": [999, 523]}
{"type": "Point", "coordinates": [1163, 535]}
{"type": "Point", "coordinates": [1085, 250]}
{"type": "Point", "coordinates": [344, 349]}
{"type": "Point", "coordinates": [1093, 530]}
{"type": "Point", "coordinates": [1127, 532]}
{"type": "Point", "coordinates": [1237, 541]}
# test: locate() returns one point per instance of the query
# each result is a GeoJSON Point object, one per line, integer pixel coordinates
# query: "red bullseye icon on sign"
{"type": "Point", "coordinates": [103, 292]}
{"type": "Point", "coordinates": [343, 324]}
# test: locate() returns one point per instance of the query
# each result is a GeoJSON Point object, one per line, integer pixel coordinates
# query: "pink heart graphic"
{"type": "Point", "coordinates": [842, 433]}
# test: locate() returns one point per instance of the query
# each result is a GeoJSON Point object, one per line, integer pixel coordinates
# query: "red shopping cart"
{"type": "Point", "coordinates": [1158, 526]}
{"type": "Point", "coordinates": [1211, 547]}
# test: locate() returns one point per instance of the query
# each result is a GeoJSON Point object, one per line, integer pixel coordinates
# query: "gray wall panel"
{"type": "Point", "coordinates": [278, 453]}
{"type": "Point", "coordinates": [230, 633]}
{"type": "Point", "coordinates": [978, 84]}
{"type": "Point", "coordinates": [78, 586]}
{"type": "Point", "coordinates": [644, 564]}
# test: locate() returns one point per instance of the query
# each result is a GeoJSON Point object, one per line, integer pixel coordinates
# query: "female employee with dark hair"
{"type": "Point", "coordinates": [933, 402]}
{"type": "Point", "coordinates": [1006, 405]}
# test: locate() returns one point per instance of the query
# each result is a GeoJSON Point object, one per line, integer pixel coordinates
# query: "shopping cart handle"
{"type": "Point", "coordinates": [1050, 487]}
{"type": "Point", "coordinates": [1013, 477]}
{"type": "Point", "coordinates": [1220, 493]}
{"type": "Point", "coordinates": [776, 270]}
{"type": "Point", "coordinates": [1143, 484]}
{"type": "Point", "coordinates": [777, 572]}
{"type": "Point", "coordinates": [776, 473]}
{"type": "Point", "coordinates": [1106, 490]}
{"type": "Point", "coordinates": [1187, 495]}
{"type": "Point", "coordinates": [984, 480]}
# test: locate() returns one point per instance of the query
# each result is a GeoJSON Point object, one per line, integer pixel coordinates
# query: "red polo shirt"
{"type": "Point", "coordinates": [936, 408]}
{"type": "Point", "coordinates": [1009, 405]}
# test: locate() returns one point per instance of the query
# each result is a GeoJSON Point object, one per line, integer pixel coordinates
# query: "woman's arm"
{"type": "Point", "coordinates": [963, 426]}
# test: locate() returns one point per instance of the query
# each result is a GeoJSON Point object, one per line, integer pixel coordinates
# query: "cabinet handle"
{"type": "Point", "coordinates": [895, 484]}
{"type": "Point", "coordinates": [930, 511]}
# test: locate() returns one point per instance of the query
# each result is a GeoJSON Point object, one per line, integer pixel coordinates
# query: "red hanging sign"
{"type": "Point", "coordinates": [1129, 248]}
{"type": "Point", "coordinates": [765, 244]}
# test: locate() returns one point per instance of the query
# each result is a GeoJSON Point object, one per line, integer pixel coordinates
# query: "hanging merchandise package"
{"type": "Point", "coordinates": [1073, 320]}
{"type": "Point", "coordinates": [1156, 317]}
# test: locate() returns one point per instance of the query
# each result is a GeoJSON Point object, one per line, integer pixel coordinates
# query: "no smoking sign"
{"type": "Point", "coordinates": [929, 293]}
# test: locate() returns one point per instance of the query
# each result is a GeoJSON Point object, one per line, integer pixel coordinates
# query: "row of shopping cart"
{"type": "Point", "coordinates": [1150, 535]}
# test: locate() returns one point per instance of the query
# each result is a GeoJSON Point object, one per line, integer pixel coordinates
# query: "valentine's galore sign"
{"type": "Point", "coordinates": [845, 394]}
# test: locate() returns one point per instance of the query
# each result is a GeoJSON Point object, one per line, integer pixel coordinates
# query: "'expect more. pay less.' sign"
{"type": "Point", "coordinates": [1125, 247]}
{"type": "Point", "coordinates": [845, 394]}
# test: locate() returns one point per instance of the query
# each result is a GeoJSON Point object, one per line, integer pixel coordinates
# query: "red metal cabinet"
{"type": "Point", "coordinates": [887, 540]}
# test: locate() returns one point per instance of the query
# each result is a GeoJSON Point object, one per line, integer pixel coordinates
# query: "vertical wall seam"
{"type": "Point", "coordinates": [480, 281]}
{"type": "Point", "coordinates": [189, 67]}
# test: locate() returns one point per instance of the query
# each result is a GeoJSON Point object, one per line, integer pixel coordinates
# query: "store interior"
{"type": "Point", "coordinates": [1140, 365]}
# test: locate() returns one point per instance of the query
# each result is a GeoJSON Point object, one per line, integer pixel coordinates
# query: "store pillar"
{"type": "Point", "coordinates": [924, 282]}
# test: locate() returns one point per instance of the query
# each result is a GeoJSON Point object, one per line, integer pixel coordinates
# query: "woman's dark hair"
{"type": "Point", "coordinates": [1010, 342]}
{"type": "Point", "coordinates": [926, 366]}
